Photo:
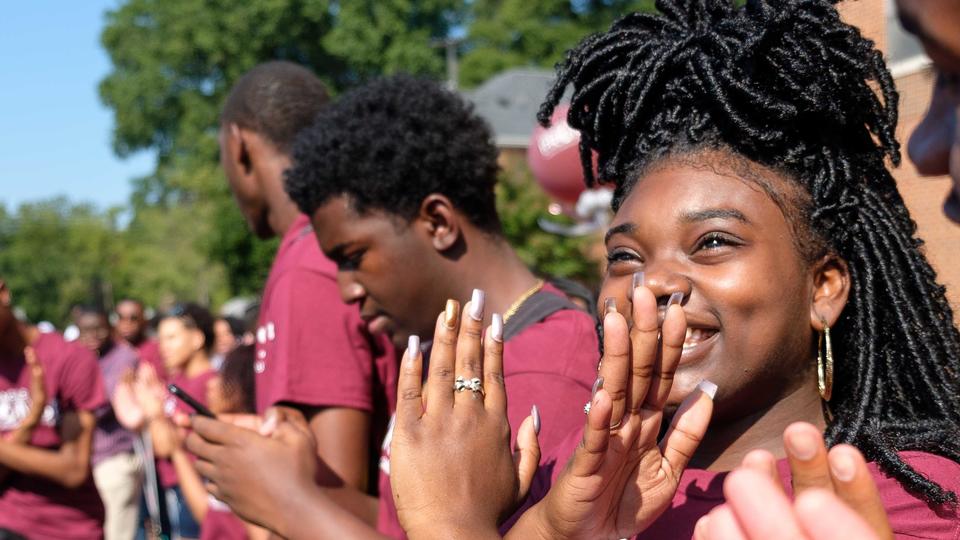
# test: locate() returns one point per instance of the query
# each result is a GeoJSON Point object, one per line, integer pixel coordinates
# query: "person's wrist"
{"type": "Point", "coordinates": [540, 526]}
{"type": "Point", "coordinates": [308, 497]}
{"type": "Point", "coordinates": [443, 529]}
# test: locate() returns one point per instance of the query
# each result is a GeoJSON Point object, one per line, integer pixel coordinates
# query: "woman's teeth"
{"type": "Point", "coordinates": [697, 335]}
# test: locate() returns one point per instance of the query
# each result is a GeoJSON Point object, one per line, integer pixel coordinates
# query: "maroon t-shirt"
{"type": "Point", "coordinates": [197, 388]}
{"type": "Point", "coordinates": [700, 491]}
{"type": "Point", "coordinates": [311, 348]}
{"type": "Point", "coordinates": [33, 506]}
{"type": "Point", "coordinates": [552, 364]}
{"type": "Point", "coordinates": [220, 523]}
{"type": "Point", "coordinates": [149, 352]}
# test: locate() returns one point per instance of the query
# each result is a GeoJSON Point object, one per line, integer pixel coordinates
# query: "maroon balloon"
{"type": "Point", "coordinates": [554, 158]}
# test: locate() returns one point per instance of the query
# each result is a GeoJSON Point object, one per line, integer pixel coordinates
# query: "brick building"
{"type": "Point", "coordinates": [877, 19]}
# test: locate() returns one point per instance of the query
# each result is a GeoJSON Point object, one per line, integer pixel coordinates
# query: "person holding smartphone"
{"type": "Point", "coordinates": [186, 339]}
{"type": "Point", "coordinates": [231, 391]}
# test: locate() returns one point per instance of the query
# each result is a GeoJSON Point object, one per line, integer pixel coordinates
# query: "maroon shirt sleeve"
{"type": "Point", "coordinates": [318, 352]}
{"type": "Point", "coordinates": [81, 384]}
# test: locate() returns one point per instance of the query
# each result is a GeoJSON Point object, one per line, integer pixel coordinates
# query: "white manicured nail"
{"type": "Point", "coordinates": [476, 305]}
{"type": "Point", "coordinates": [413, 346]}
{"type": "Point", "coordinates": [535, 413]}
{"type": "Point", "coordinates": [708, 388]}
{"type": "Point", "coordinates": [496, 328]}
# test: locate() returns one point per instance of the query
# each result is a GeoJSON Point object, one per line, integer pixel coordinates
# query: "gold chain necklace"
{"type": "Point", "coordinates": [523, 298]}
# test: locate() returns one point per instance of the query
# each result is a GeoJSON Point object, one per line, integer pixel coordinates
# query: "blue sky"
{"type": "Point", "coordinates": [54, 132]}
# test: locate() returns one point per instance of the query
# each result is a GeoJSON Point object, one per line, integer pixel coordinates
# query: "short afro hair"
{"type": "Point", "coordinates": [277, 100]}
{"type": "Point", "coordinates": [391, 143]}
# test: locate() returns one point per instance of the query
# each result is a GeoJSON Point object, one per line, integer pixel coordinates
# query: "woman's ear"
{"type": "Point", "coordinates": [831, 288]}
{"type": "Point", "coordinates": [441, 220]}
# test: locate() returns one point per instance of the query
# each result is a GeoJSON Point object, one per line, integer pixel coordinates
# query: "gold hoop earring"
{"type": "Point", "coordinates": [825, 365]}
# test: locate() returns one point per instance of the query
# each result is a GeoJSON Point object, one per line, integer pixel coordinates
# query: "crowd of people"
{"type": "Point", "coordinates": [771, 354]}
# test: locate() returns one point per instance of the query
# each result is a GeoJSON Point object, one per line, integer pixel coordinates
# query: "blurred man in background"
{"type": "Point", "coordinates": [116, 469]}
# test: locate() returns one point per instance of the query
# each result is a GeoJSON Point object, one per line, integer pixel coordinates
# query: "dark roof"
{"type": "Point", "coordinates": [509, 102]}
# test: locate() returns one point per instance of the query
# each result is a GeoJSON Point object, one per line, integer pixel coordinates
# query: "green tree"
{"type": "Point", "coordinates": [54, 254]}
{"type": "Point", "coordinates": [510, 33]}
{"type": "Point", "coordinates": [520, 204]}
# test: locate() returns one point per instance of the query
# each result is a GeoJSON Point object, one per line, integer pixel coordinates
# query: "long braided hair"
{"type": "Point", "coordinates": [788, 85]}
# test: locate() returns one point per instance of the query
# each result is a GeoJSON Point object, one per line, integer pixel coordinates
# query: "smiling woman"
{"type": "Point", "coordinates": [753, 111]}
{"type": "Point", "coordinates": [747, 147]}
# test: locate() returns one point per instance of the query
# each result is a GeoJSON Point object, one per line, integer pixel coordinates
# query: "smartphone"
{"type": "Point", "coordinates": [188, 399]}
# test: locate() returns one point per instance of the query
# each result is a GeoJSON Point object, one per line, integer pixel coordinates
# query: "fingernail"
{"type": "Point", "coordinates": [638, 279]}
{"type": "Point", "coordinates": [269, 424]}
{"type": "Point", "coordinates": [597, 385]}
{"type": "Point", "coordinates": [708, 388]}
{"type": "Point", "coordinates": [610, 305]}
{"type": "Point", "coordinates": [476, 305]}
{"type": "Point", "coordinates": [802, 446]}
{"type": "Point", "coordinates": [496, 328]}
{"type": "Point", "coordinates": [535, 413]}
{"type": "Point", "coordinates": [413, 346]}
{"type": "Point", "coordinates": [843, 467]}
{"type": "Point", "coordinates": [450, 313]}
{"type": "Point", "coordinates": [675, 298]}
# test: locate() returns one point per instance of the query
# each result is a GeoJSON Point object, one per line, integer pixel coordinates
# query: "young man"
{"type": "Point", "coordinates": [398, 178]}
{"type": "Point", "coordinates": [48, 490]}
{"type": "Point", "coordinates": [116, 468]}
{"type": "Point", "coordinates": [314, 355]}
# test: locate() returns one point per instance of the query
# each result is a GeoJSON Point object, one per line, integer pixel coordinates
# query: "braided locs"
{"type": "Point", "coordinates": [788, 85]}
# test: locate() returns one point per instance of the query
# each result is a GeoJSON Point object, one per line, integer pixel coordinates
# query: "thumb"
{"type": "Point", "coordinates": [526, 454]}
{"type": "Point", "coordinates": [288, 432]}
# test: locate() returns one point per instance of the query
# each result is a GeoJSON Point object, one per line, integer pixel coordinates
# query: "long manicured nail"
{"type": "Point", "coordinates": [802, 445]}
{"type": "Point", "coordinates": [708, 388]}
{"type": "Point", "coordinates": [610, 305]}
{"type": "Point", "coordinates": [269, 424]}
{"type": "Point", "coordinates": [450, 313]}
{"type": "Point", "coordinates": [675, 298]}
{"type": "Point", "coordinates": [597, 385]}
{"type": "Point", "coordinates": [496, 328]}
{"type": "Point", "coordinates": [842, 466]}
{"type": "Point", "coordinates": [413, 346]}
{"type": "Point", "coordinates": [476, 305]}
{"type": "Point", "coordinates": [638, 279]}
{"type": "Point", "coordinates": [535, 413]}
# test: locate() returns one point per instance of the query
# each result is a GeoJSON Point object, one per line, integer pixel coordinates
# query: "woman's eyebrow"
{"type": "Point", "coordinates": [714, 213]}
{"type": "Point", "coordinates": [623, 228]}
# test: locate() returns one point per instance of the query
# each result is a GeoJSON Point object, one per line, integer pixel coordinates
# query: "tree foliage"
{"type": "Point", "coordinates": [510, 33]}
{"type": "Point", "coordinates": [54, 254]}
